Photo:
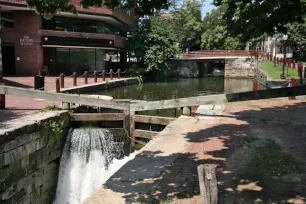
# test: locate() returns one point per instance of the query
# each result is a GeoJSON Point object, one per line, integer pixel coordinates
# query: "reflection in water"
{"type": "Point", "coordinates": [179, 88]}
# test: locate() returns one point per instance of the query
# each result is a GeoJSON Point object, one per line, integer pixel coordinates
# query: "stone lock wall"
{"type": "Point", "coordinates": [240, 68]}
{"type": "Point", "coordinates": [29, 158]}
{"type": "Point", "coordinates": [183, 69]}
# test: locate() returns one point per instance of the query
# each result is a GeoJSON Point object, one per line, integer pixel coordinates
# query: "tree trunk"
{"type": "Point", "coordinates": [208, 183]}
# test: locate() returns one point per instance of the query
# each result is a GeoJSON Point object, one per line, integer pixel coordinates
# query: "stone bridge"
{"type": "Point", "coordinates": [220, 54]}
{"type": "Point", "coordinates": [233, 63]}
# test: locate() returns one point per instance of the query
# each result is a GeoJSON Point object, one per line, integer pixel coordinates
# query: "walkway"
{"type": "Point", "coordinates": [166, 167]}
{"type": "Point", "coordinates": [17, 107]}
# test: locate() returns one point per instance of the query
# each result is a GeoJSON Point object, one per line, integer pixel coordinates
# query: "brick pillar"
{"type": "Point", "coordinates": [28, 51]}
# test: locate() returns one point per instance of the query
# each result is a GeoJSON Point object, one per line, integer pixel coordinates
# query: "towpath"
{"type": "Point", "coordinates": [165, 169]}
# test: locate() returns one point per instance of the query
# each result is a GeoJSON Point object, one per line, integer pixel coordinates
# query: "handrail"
{"type": "Point", "coordinates": [68, 98]}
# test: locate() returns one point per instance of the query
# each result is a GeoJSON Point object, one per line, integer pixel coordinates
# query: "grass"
{"type": "Point", "coordinates": [272, 161]}
{"type": "Point", "coordinates": [274, 72]}
{"type": "Point", "coordinates": [50, 108]}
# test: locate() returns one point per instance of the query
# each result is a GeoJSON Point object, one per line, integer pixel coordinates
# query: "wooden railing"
{"type": "Point", "coordinates": [130, 108]}
{"type": "Point", "coordinates": [222, 53]}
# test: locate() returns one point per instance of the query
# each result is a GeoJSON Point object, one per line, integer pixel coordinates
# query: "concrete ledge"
{"type": "Point", "coordinates": [89, 88]}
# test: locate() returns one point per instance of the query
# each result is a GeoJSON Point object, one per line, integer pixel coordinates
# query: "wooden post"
{"type": "Point", "coordinates": [86, 77]}
{"type": "Point", "coordinates": [2, 98]}
{"type": "Point", "coordinates": [119, 73]}
{"type": "Point", "coordinates": [111, 74]}
{"type": "Point", "coordinates": [208, 183]}
{"type": "Point", "coordinates": [293, 83]}
{"type": "Point", "coordinates": [96, 76]}
{"type": "Point", "coordinates": [66, 106]}
{"type": "Point", "coordinates": [2, 101]}
{"type": "Point", "coordinates": [103, 75]}
{"type": "Point", "coordinates": [75, 75]}
{"type": "Point", "coordinates": [132, 130]}
{"type": "Point", "coordinates": [57, 84]}
{"type": "Point", "coordinates": [62, 80]}
{"type": "Point", "coordinates": [255, 85]}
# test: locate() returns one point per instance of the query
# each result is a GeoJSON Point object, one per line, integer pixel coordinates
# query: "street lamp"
{"type": "Point", "coordinates": [285, 37]}
{"type": "Point", "coordinates": [275, 39]}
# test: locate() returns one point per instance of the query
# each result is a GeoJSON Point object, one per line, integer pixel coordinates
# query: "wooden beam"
{"type": "Point", "coordinates": [145, 134]}
{"type": "Point", "coordinates": [153, 119]}
{"type": "Point", "coordinates": [69, 98]}
{"type": "Point", "coordinates": [97, 116]}
{"type": "Point", "coordinates": [220, 98]}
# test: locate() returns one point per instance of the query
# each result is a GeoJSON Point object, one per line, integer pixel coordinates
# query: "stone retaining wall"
{"type": "Point", "coordinates": [240, 68]}
{"type": "Point", "coordinates": [30, 152]}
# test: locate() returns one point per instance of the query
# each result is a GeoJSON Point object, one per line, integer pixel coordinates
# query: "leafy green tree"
{"type": "Point", "coordinates": [297, 39]}
{"type": "Point", "coordinates": [188, 24]}
{"type": "Point", "coordinates": [152, 44]}
{"type": "Point", "coordinates": [215, 35]}
{"type": "Point", "coordinates": [48, 8]}
{"type": "Point", "coordinates": [252, 18]}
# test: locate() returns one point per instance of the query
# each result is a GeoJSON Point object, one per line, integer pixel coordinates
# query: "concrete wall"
{"type": "Point", "coordinates": [30, 151]}
{"type": "Point", "coordinates": [240, 68]}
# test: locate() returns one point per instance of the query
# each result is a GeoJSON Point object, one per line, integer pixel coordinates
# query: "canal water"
{"type": "Point", "coordinates": [179, 88]}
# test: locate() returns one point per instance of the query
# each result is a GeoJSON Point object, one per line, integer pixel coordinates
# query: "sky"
{"type": "Point", "coordinates": [207, 7]}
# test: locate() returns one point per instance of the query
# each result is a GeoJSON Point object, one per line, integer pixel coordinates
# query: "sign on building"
{"type": "Point", "coordinates": [26, 40]}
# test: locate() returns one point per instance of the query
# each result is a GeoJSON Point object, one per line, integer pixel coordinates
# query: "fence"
{"type": "Point", "coordinates": [223, 53]}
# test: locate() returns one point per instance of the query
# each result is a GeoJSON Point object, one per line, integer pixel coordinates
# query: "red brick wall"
{"type": "Point", "coordinates": [27, 23]}
{"type": "Point", "coordinates": [118, 13]}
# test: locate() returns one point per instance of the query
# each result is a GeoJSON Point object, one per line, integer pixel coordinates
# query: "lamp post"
{"type": "Point", "coordinates": [275, 39]}
{"type": "Point", "coordinates": [285, 37]}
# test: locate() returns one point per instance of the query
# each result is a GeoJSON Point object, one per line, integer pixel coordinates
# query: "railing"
{"type": "Point", "coordinates": [223, 53]}
{"type": "Point", "coordinates": [60, 82]}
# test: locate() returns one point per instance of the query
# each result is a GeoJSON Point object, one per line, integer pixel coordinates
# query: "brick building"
{"type": "Point", "coordinates": [92, 40]}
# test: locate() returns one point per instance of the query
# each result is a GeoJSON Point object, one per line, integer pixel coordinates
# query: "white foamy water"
{"type": "Point", "coordinates": [89, 159]}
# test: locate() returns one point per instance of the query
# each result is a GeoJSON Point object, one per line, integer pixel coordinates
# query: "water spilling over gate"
{"type": "Point", "coordinates": [90, 157]}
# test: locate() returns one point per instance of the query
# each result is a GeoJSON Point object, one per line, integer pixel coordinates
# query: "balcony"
{"type": "Point", "coordinates": [116, 13]}
{"type": "Point", "coordinates": [58, 38]}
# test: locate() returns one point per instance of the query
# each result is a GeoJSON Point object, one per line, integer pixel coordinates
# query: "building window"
{"type": "Point", "coordinates": [7, 19]}
{"type": "Point", "coordinates": [80, 25]}
{"type": "Point", "coordinates": [71, 60]}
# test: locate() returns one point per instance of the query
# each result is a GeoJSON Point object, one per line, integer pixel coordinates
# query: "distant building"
{"type": "Point", "coordinates": [274, 47]}
{"type": "Point", "coordinates": [65, 44]}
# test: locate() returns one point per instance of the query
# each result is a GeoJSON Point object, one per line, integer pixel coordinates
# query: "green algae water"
{"type": "Point", "coordinates": [179, 88]}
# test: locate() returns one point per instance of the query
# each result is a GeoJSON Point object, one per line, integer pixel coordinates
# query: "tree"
{"type": "Point", "coordinates": [153, 44]}
{"type": "Point", "coordinates": [48, 8]}
{"type": "Point", "coordinates": [188, 24]}
{"type": "Point", "coordinates": [215, 35]}
{"type": "Point", "coordinates": [297, 39]}
{"type": "Point", "coordinates": [252, 18]}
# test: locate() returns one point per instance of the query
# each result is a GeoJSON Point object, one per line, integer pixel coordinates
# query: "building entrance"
{"type": "Point", "coordinates": [8, 60]}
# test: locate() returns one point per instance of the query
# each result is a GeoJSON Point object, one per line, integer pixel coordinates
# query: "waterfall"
{"type": "Point", "coordinates": [90, 158]}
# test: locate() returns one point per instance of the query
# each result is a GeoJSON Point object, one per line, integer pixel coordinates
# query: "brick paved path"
{"type": "Point", "coordinates": [221, 141]}
{"type": "Point", "coordinates": [17, 107]}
